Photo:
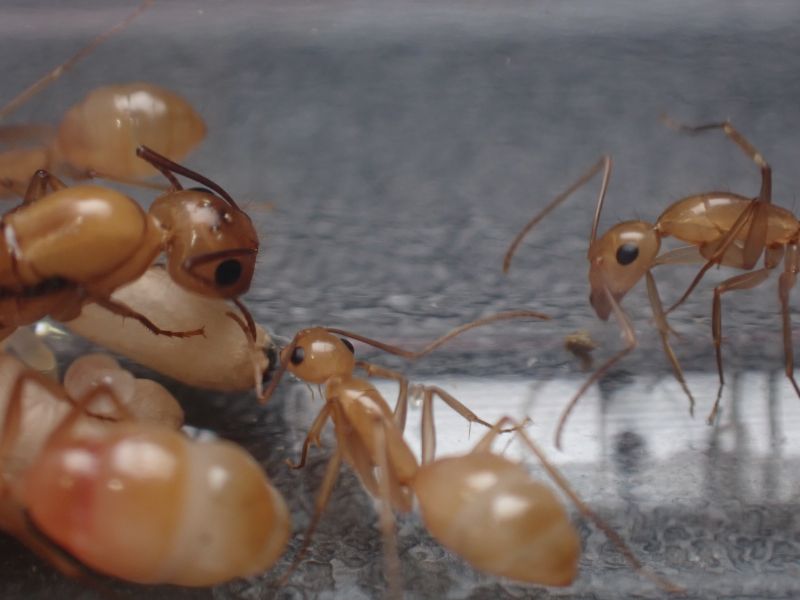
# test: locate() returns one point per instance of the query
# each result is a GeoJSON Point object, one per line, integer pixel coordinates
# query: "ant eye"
{"type": "Point", "coordinates": [349, 345]}
{"type": "Point", "coordinates": [627, 253]}
{"type": "Point", "coordinates": [228, 272]}
{"type": "Point", "coordinates": [298, 355]}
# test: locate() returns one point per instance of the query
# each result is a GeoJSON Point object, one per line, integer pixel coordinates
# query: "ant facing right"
{"type": "Point", "coordinates": [719, 228]}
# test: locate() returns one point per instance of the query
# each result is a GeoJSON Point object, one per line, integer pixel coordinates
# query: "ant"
{"type": "Point", "coordinates": [719, 228]}
{"type": "Point", "coordinates": [369, 437]}
{"type": "Point", "coordinates": [746, 228]}
{"type": "Point", "coordinates": [134, 499]}
{"type": "Point", "coordinates": [617, 260]}
{"type": "Point", "coordinates": [98, 136]}
{"type": "Point", "coordinates": [66, 246]}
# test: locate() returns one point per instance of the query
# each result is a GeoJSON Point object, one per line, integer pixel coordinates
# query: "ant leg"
{"type": "Point", "coordinates": [504, 424]}
{"type": "Point", "coordinates": [630, 339]}
{"type": "Point", "coordinates": [39, 184]}
{"type": "Point", "coordinates": [745, 281]}
{"type": "Point", "coordinates": [589, 514]}
{"type": "Point", "coordinates": [785, 285]}
{"type": "Point", "coordinates": [312, 437]}
{"type": "Point", "coordinates": [323, 497]}
{"type": "Point", "coordinates": [401, 407]}
{"type": "Point", "coordinates": [664, 330]}
{"type": "Point", "coordinates": [757, 234]}
{"type": "Point", "coordinates": [386, 484]}
{"type": "Point", "coordinates": [773, 256]}
{"type": "Point", "coordinates": [81, 406]}
{"type": "Point", "coordinates": [118, 308]}
{"type": "Point", "coordinates": [723, 244]}
{"type": "Point", "coordinates": [440, 341]}
{"type": "Point", "coordinates": [428, 428]}
{"type": "Point", "coordinates": [252, 338]}
{"type": "Point", "coordinates": [737, 138]}
{"type": "Point", "coordinates": [12, 422]}
{"type": "Point", "coordinates": [685, 255]}
{"type": "Point", "coordinates": [13, 515]}
{"type": "Point", "coordinates": [50, 77]}
{"type": "Point", "coordinates": [605, 163]}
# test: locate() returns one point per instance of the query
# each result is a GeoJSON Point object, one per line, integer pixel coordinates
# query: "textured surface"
{"type": "Point", "coordinates": [389, 151]}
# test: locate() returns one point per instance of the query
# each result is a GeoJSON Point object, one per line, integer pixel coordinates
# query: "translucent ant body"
{"type": "Point", "coordinates": [135, 500]}
{"type": "Point", "coordinates": [459, 497]}
{"type": "Point", "coordinates": [98, 136]}
{"type": "Point", "coordinates": [78, 244]}
{"type": "Point", "coordinates": [720, 228]}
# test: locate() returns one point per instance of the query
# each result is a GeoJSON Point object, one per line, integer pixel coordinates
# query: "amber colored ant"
{"type": "Point", "coordinates": [78, 244]}
{"type": "Point", "coordinates": [734, 230]}
{"type": "Point", "coordinates": [370, 439]}
{"type": "Point", "coordinates": [136, 500]}
{"type": "Point", "coordinates": [98, 136]}
{"type": "Point", "coordinates": [617, 260]}
{"type": "Point", "coordinates": [720, 228]}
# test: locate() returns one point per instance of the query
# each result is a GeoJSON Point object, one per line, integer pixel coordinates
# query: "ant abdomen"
{"type": "Point", "coordinates": [147, 505]}
{"type": "Point", "coordinates": [490, 511]}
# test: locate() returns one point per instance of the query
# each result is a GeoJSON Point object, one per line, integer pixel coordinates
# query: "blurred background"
{"type": "Point", "coordinates": [389, 152]}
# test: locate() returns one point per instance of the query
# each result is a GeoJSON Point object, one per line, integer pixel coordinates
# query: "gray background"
{"type": "Point", "coordinates": [389, 151]}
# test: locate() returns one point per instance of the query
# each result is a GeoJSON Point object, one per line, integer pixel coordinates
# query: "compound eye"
{"type": "Point", "coordinates": [627, 253]}
{"type": "Point", "coordinates": [228, 272]}
{"type": "Point", "coordinates": [349, 345]}
{"type": "Point", "coordinates": [298, 355]}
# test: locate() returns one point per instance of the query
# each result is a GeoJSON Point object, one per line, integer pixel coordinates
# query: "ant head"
{"type": "Point", "coordinates": [212, 245]}
{"type": "Point", "coordinates": [618, 260]}
{"type": "Point", "coordinates": [316, 355]}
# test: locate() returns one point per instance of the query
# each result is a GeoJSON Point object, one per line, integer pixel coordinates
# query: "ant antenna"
{"type": "Point", "coordinates": [53, 75]}
{"type": "Point", "coordinates": [168, 168]}
{"type": "Point", "coordinates": [413, 355]}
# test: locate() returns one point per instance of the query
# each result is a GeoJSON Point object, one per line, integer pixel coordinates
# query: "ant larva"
{"type": "Point", "coordinates": [221, 359]}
